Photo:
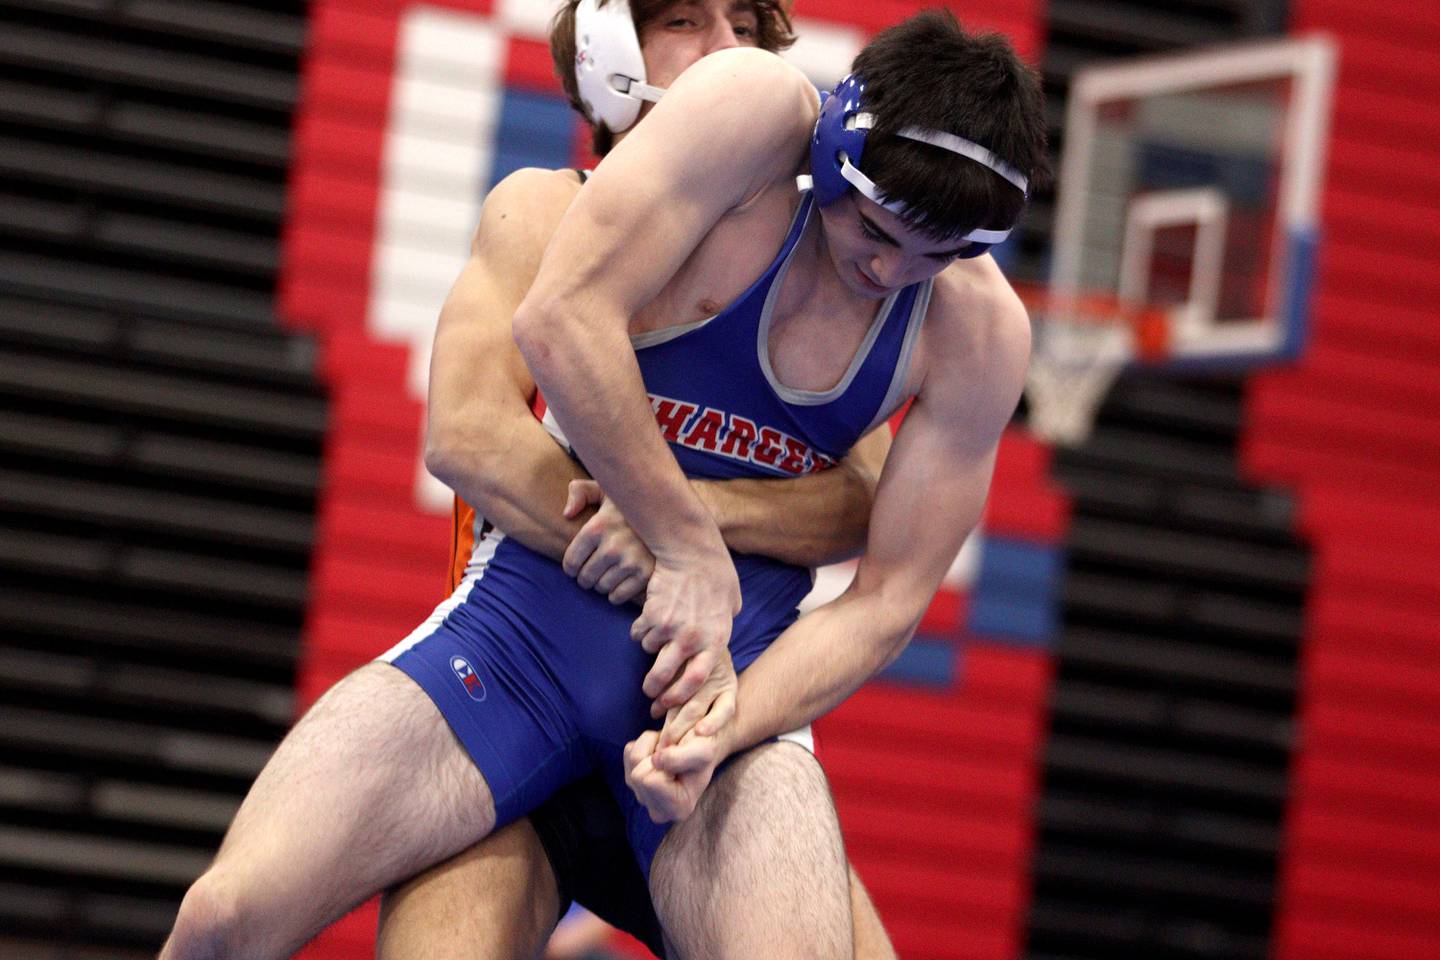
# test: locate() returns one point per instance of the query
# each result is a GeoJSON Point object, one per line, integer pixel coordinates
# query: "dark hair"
{"type": "Point", "coordinates": [928, 72]}
{"type": "Point", "coordinates": [773, 32]}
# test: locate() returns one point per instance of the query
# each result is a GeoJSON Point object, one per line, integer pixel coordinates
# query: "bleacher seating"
{"type": "Point", "coordinates": [1166, 769]}
{"type": "Point", "coordinates": [160, 440]}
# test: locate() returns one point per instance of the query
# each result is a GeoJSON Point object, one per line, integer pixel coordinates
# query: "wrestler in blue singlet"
{"type": "Point", "coordinates": [538, 677]}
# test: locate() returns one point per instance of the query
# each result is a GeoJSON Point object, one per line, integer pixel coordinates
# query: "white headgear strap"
{"type": "Point", "coordinates": [946, 141]}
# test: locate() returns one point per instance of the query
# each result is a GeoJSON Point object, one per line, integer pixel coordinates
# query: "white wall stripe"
{"type": "Point", "coordinates": [527, 18]}
{"type": "Point", "coordinates": [824, 50]}
{"type": "Point", "coordinates": [439, 151]}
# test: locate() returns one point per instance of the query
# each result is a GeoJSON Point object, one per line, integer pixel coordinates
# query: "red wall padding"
{"type": "Point", "coordinates": [936, 795]}
{"type": "Point", "coordinates": [1354, 429]}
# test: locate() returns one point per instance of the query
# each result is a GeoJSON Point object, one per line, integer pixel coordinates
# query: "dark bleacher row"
{"type": "Point", "coordinates": [159, 453]}
{"type": "Point", "coordinates": [1172, 713]}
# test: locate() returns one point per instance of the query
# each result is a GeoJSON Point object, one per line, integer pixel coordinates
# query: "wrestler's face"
{"type": "Point", "coordinates": [686, 30]}
{"type": "Point", "coordinates": [873, 251]}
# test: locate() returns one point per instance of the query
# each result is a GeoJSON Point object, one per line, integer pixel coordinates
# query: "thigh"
{"type": "Point", "coordinates": [367, 789]}
{"type": "Point", "coordinates": [497, 900]}
{"type": "Point", "coordinates": [759, 869]}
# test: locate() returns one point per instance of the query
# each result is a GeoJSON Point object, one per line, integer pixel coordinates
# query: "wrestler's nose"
{"type": "Point", "coordinates": [888, 267]}
{"type": "Point", "coordinates": [722, 36]}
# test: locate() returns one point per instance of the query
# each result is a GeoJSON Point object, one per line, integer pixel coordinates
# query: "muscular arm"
{"type": "Point", "coordinates": [485, 444]}
{"type": "Point", "coordinates": [481, 439]}
{"type": "Point", "coordinates": [648, 206]}
{"type": "Point", "coordinates": [931, 495]}
{"type": "Point", "coordinates": [807, 521]}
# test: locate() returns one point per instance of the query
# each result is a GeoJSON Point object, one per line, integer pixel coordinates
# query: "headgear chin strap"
{"type": "Point", "coordinates": [609, 67]}
{"type": "Point", "coordinates": [839, 142]}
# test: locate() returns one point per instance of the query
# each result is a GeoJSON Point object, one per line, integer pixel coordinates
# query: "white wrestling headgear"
{"type": "Point", "coordinates": [609, 67]}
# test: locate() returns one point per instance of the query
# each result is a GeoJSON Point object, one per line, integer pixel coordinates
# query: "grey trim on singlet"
{"type": "Point", "coordinates": [907, 351]}
{"type": "Point", "coordinates": [650, 338]}
{"type": "Point", "coordinates": [813, 398]}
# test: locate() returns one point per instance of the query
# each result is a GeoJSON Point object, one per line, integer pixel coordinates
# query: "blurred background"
{"type": "Point", "coordinates": [1178, 697]}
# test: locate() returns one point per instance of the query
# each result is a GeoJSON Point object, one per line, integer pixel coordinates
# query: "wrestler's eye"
{"type": "Point", "coordinates": [744, 31]}
{"type": "Point", "coordinates": [870, 232]}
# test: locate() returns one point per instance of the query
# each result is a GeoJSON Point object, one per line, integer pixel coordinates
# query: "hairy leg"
{"type": "Point", "coordinates": [369, 788]}
{"type": "Point", "coordinates": [871, 940]}
{"type": "Point", "coordinates": [759, 869]}
{"type": "Point", "coordinates": [497, 900]}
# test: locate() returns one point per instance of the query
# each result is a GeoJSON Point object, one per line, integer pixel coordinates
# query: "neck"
{"type": "Point", "coordinates": [812, 285]}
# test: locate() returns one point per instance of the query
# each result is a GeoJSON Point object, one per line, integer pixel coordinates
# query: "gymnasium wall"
{"type": "Point", "coordinates": [1352, 429]}
{"type": "Point", "coordinates": [1176, 698]}
{"type": "Point", "coordinates": [160, 440]}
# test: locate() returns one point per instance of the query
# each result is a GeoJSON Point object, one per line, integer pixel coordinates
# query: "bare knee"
{"type": "Point", "coordinates": [207, 925]}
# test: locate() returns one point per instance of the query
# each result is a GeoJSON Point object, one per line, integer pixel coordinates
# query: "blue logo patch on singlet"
{"type": "Point", "coordinates": [469, 679]}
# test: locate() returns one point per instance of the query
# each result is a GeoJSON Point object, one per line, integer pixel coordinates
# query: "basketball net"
{"type": "Point", "coordinates": [1079, 346]}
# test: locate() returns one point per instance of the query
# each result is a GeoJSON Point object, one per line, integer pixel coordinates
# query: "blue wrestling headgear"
{"type": "Point", "coordinates": [839, 142]}
{"type": "Point", "coordinates": [609, 67]}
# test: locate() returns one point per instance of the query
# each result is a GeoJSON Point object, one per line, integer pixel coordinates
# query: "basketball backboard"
{"type": "Point", "coordinates": [1186, 221]}
{"type": "Point", "coordinates": [1191, 182]}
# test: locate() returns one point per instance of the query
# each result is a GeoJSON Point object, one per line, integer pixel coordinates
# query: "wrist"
{"type": "Point", "coordinates": [730, 739]}
{"type": "Point", "coordinates": [686, 539]}
{"type": "Point", "coordinates": [706, 491]}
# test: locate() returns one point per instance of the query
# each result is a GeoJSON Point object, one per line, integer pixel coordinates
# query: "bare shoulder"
{"type": "Point", "coordinates": [975, 309]}
{"type": "Point", "coordinates": [525, 208]}
{"type": "Point", "coordinates": [745, 82]}
{"type": "Point", "coordinates": [977, 342]}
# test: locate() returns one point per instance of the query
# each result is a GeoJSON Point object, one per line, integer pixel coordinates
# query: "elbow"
{"type": "Point", "coordinates": [892, 617]}
{"type": "Point", "coordinates": [535, 327]}
{"type": "Point", "coordinates": [894, 644]}
{"type": "Point", "coordinates": [456, 457]}
{"type": "Point", "coordinates": [445, 455]}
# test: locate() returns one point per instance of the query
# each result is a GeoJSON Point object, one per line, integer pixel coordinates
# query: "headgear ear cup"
{"type": "Point", "coordinates": [835, 136]}
{"type": "Point", "coordinates": [609, 66]}
{"type": "Point", "coordinates": [839, 143]}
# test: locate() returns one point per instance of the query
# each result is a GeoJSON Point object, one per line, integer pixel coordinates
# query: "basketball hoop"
{"type": "Point", "coordinates": [1079, 346]}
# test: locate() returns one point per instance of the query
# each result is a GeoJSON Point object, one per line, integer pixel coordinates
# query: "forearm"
{"type": "Point", "coordinates": [516, 476]}
{"type": "Point", "coordinates": [812, 667]}
{"type": "Point", "coordinates": [591, 381]}
{"type": "Point", "coordinates": [809, 522]}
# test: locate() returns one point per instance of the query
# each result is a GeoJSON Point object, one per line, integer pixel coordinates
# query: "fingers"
{"type": "Point", "coordinates": [628, 590]}
{"type": "Point", "coordinates": [692, 677]}
{"type": "Point", "coordinates": [581, 494]}
{"type": "Point", "coordinates": [691, 755]}
{"type": "Point", "coordinates": [673, 680]}
{"type": "Point", "coordinates": [604, 562]}
{"type": "Point", "coordinates": [722, 711]}
{"type": "Point", "coordinates": [624, 567]}
{"type": "Point", "coordinates": [581, 548]}
{"type": "Point", "coordinates": [681, 720]}
{"type": "Point", "coordinates": [658, 792]}
{"type": "Point", "coordinates": [638, 750]}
